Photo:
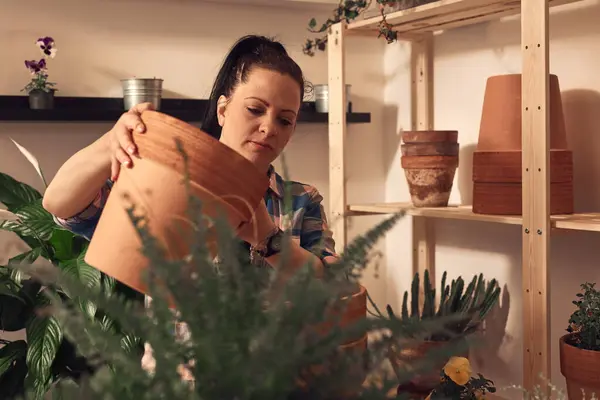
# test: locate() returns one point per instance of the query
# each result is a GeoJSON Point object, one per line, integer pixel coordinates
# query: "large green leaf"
{"type": "Point", "coordinates": [83, 272]}
{"type": "Point", "coordinates": [33, 222]}
{"type": "Point", "coordinates": [78, 269]}
{"type": "Point", "coordinates": [26, 258]}
{"type": "Point", "coordinates": [10, 353]}
{"type": "Point", "coordinates": [15, 194]}
{"type": "Point", "coordinates": [62, 243]}
{"type": "Point", "coordinates": [44, 335]}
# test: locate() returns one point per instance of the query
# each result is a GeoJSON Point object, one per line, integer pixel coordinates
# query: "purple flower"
{"type": "Point", "coordinates": [46, 45]}
{"type": "Point", "coordinates": [35, 66]}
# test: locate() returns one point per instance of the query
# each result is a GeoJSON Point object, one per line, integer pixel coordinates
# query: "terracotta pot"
{"type": "Point", "coordinates": [500, 127]}
{"type": "Point", "coordinates": [430, 179]}
{"type": "Point", "coordinates": [346, 378]}
{"type": "Point", "coordinates": [350, 381]}
{"type": "Point", "coordinates": [580, 369]}
{"type": "Point", "coordinates": [505, 166]}
{"type": "Point", "coordinates": [226, 183]}
{"type": "Point", "coordinates": [406, 357]}
{"type": "Point", "coordinates": [354, 309]}
{"type": "Point", "coordinates": [506, 198]}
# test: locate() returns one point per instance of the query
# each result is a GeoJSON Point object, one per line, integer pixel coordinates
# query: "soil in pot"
{"type": "Point", "coordinates": [581, 369]}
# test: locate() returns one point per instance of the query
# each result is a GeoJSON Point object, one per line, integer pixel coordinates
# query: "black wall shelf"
{"type": "Point", "coordinates": [109, 109]}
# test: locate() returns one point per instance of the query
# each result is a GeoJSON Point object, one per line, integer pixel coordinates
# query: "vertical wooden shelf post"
{"type": "Point", "coordinates": [536, 218]}
{"type": "Point", "coordinates": [337, 133]}
{"type": "Point", "coordinates": [423, 232]}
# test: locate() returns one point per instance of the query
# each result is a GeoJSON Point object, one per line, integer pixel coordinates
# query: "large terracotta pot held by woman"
{"type": "Point", "coordinates": [227, 184]}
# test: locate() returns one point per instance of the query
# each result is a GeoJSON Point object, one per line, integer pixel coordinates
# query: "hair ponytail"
{"type": "Point", "coordinates": [248, 52]}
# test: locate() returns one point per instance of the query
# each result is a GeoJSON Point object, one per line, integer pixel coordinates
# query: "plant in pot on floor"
{"type": "Point", "coordinates": [349, 10]}
{"type": "Point", "coordinates": [464, 310]}
{"type": "Point", "coordinates": [580, 348]}
{"type": "Point", "coordinates": [40, 90]}
{"type": "Point", "coordinates": [46, 356]}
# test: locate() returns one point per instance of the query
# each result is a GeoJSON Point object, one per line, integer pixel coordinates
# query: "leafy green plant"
{"type": "Point", "coordinates": [468, 306]}
{"type": "Point", "coordinates": [46, 356]}
{"type": "Point", "coordinates": [585, 320]}
{"type": "Point", "coordinates": [247, 337]}
{"type": "Point", "coordinates": [349, 10]}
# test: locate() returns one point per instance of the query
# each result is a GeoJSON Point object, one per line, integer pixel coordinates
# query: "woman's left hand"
{"type": "Point", "coordinates": [255, 231]}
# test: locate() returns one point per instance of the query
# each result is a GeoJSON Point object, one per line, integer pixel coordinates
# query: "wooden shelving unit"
{"type": "Point", "coordinates": [109, 109]}
{"type": "Point", "coordinates": [417, 25]}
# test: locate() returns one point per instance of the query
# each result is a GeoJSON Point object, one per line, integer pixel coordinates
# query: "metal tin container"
{"type": "Point", "coordinates": [142, 90]}
{"type": "Point", "coordinates": [322, 98]}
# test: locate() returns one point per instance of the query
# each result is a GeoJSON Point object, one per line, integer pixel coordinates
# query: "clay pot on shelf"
{"type": "Point", "coordinates": [500, 128]}
{"type": "Point", "coordinates": [580, 368]}
{"type": "Point", "coordinates": [497, 161]}
{"type": "Point", "coordinates": [429, 160]}
{"type": "Point", "coordinates": [497, 182]}
{"type": "Point", "coordinates": [226, 183]}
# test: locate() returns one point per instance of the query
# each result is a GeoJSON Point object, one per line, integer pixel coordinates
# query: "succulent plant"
{"type": "Point", "coordinates": [473, 302]}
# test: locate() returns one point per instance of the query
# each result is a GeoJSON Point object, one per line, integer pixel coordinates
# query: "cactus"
{"type": "Point", "coordinates": [474, 302]}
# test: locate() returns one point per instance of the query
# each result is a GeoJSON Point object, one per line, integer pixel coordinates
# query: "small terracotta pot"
{"type": "Point", "coordinates": [500, 127]}
{"type": "Point", "coordinates": [580, 368]}
{"type": "Point", "coordinates": [226, 183]}
{"type": "Point", "coordinates": [430, 179]}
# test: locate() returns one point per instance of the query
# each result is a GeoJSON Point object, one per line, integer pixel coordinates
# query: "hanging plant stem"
{"type": "Point", "coordinates": [348, 10]}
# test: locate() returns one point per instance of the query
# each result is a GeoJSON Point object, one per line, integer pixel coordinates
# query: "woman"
{"type": "Point", "coordinates": [254, 105]}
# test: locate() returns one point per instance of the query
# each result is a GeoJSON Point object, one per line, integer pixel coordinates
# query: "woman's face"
{"type": "Point", "coordinates": [260, 116]}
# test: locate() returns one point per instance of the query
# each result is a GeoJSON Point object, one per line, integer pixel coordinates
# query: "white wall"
{"type": "Point", "coordinates": [464, 59]}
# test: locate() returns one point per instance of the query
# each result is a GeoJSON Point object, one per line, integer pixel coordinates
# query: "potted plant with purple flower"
{"type": "Point", "coordinates": [39, 89]}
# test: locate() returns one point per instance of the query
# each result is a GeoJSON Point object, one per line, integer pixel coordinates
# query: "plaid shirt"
{"type": "Point", "coordinates": [306, 220]}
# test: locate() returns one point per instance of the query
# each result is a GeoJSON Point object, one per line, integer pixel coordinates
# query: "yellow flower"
{"type": "Point", "coordinates": [459, 370]}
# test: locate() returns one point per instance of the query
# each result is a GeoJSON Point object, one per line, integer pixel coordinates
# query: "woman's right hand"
{"type": "Point", "coordinates": [121, 146]}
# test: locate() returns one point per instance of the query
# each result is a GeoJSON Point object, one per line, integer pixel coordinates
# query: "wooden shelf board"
{"type": "Point", "coordinates": [450, 212]}
{"type": "Point", "coordinates": [447, 14]}
{"type": "Point", "coordinates": [109, 109]}
{"type": "Point", "coordinates": [578, 222]}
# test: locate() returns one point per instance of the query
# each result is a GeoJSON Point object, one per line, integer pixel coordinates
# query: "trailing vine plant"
{"type": "Point", "coordinates": [348, 10]}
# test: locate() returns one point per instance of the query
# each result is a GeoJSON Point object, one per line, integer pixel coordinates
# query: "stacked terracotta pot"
{"type": "Point", "coordinates": [497, 162]}
{"type": "Point", "coordinates": [429, 160]}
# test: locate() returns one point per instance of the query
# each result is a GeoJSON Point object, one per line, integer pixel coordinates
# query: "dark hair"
{"type": "Point", "coordinates": [248, 52]}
